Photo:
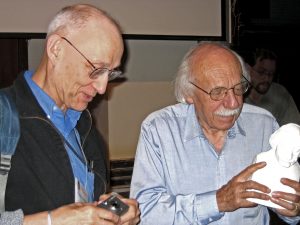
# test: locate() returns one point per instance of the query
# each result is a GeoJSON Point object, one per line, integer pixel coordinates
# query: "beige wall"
{"type": "Point", "coordinates": [166, 17]}
{"type": "Point", "coordinates": [126, 106]}
{"type": "Point", "coordinates": [119, 113]}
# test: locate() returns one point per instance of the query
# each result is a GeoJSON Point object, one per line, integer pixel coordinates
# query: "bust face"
{"type": "Point", "coordinates": [286, 142]}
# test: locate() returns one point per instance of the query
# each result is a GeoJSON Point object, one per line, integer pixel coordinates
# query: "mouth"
{"type": "Point", "coordinates": [87, 97]}
{"type": "Point", "coordinates": [265, 84]}
{"type": "Point", "coordinates": [262, 87]}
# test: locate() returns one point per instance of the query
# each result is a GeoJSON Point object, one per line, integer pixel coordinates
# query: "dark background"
{"type": "Point", "coordinates": [273, 24]}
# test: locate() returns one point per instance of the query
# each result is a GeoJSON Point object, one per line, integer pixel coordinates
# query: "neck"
{"type": "Point", "coordinates": [41, 78]}
{"type": "Point", "coordinates": [216, 138]}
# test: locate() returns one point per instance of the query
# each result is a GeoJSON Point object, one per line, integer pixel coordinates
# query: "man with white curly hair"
{"type": "Point", "coordinates": [193, 159]}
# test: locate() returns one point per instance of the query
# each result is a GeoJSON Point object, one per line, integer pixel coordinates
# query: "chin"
{"type": "Point", "coordinates": [79, 107]}
{"type": "Point", "coordinates": [226, 121]}
{"type": "Point", "coordinates": [262, 89]}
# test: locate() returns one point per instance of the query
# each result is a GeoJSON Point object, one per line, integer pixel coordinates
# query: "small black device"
{"type": "Point", "coordinates": [115, 205]}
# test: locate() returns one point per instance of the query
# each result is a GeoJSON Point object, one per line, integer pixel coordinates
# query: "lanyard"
{"type": "Point", "coordinates": [88, 163]}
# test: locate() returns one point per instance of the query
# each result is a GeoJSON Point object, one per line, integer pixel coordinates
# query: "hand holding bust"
{"type": "Point", "coordinates": [281, 161]}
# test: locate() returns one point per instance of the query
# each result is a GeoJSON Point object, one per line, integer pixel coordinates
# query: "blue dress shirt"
{"type": "Point", "coordinates": [177, 171]}
{"type": "Point", "coordinates": [65, 123]}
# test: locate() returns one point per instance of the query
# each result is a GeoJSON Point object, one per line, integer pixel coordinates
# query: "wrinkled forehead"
{"type": "Point", "coordinates": [99, 39]}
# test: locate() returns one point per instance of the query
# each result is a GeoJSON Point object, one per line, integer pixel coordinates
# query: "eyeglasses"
{"type": "Point", "coordinates": [97, 72]}
{"type": "Point", "coordinates": [218, 93]}
{"type": "Point", "coordinates": [264, 72]}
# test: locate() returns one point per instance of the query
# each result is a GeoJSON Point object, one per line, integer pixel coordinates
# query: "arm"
{"type": "Point", "coordinates": [76, 213]}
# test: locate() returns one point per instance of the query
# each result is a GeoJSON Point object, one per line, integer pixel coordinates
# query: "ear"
{"type": "Point", "coordinates": [189, 100]}
{"type": "Point", "coordinates": [53, 47]}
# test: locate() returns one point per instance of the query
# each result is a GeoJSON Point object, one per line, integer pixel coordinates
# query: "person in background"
{"type": "Point", "coordinates": [194, 159]}
{"type": "Point", "coordinates": [60, 159]}
{"type": "Point", "coordinates": [268, 94]}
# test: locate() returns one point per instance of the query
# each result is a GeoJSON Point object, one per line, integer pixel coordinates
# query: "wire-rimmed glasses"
{"type": "Point", "coordinates": [112, 74]}
{"type": "Point", "coordinates": [218, 93]}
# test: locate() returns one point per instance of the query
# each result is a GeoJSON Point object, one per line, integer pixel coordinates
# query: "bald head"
{"type": "Point", "coordinates": [73, 18]}
{"type": "Point", "coordinates": [210, 58]}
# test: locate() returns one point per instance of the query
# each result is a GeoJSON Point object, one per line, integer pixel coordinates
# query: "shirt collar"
{"type": "Point", "coordinates": [65, 122]}
{"type": "Point", "coordinates": [193, 129]}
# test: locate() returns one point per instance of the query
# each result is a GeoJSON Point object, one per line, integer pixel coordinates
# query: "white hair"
{"type": "Point", "coordinates": [182, 86]}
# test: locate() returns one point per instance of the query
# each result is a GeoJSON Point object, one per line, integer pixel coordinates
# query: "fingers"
{"type": "Point", "coordinates": [235, 193]}
{"type": "Point", "coordinates": [104, 197]}
{"type": "Point", "coordinates": [291, 183]}
{"type": "Point", "coordinates": [83, 213]}
{"type": "Point", "coordinates": [246, 173]}
{"type": "Point", "coordinates": [132, 217]}
{"type": "Point", "coordinates": [107, 215]}
{"type": "Point", "coordinates": [289, 209]}
{"type": "Point", "coordinates": [296, 210]}
{"type": "Point", "coordinates": [289, 201]}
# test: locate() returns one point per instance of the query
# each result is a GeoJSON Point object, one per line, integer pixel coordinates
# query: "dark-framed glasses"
{"type": "Point", "coordinates": [97, 72]}
{"type": "Point", "coordinates": [218, 93]}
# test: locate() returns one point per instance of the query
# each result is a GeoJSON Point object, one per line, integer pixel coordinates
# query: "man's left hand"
{"type": "Point", "coordinates": [290, 202]}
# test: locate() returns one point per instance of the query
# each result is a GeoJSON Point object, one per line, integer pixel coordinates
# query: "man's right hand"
{"type": "Point", "coordinates": [234, 194]}
{"type": "Point", "coordinates": [83, 213]}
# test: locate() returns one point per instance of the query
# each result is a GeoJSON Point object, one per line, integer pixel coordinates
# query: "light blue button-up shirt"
{"type": "Point", "coordinates": [177, 171]}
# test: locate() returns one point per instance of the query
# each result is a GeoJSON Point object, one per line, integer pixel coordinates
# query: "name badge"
{"type": "Point", "coordinates": [81, 194]}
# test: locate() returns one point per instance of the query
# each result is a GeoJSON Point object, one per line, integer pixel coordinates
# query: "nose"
{"type": "Point", "coordinates": [269, 77]}
{"type": "Point", "coordinates": [100, 84]}
{"type": "Point", "coordinates": [230, 100]}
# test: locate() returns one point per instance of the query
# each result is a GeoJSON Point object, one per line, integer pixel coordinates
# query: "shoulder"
{"type": "Point", "coordinates": [258, 125]}
{"type": "Point", "coordinates": [168, 113]}
{"type": "Point", "coordinates": [257, 116]}
{"type": "Point", "coordinates": [278, 89]}
{"type": "Point", "coordinates": [252, 110]}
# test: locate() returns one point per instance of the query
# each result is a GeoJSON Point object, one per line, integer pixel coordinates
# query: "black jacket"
{"type": "Point", "coordinates": [41, 176]}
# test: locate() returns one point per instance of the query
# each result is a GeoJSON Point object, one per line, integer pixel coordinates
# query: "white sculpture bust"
{"type": "Point", "coordinates": [281, 161]}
